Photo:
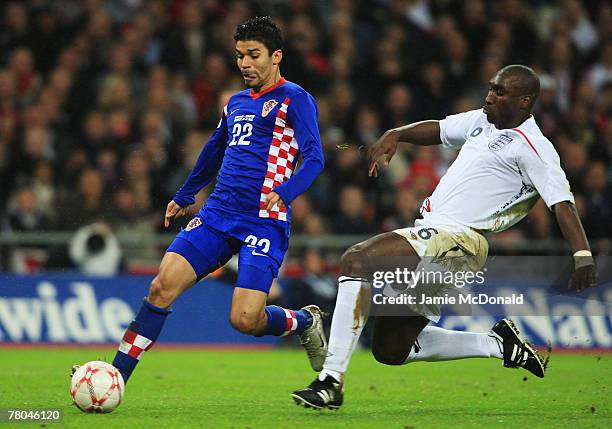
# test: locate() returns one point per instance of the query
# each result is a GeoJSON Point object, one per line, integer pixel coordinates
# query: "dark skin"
{"type": "Point", "coordinates": [507, 105]}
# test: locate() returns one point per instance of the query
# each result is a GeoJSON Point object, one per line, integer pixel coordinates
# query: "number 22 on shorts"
{"type": "Point", "coordinates": [263, 244]}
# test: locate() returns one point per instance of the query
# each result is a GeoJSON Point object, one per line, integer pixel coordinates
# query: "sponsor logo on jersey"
{"type": "Point", "coordinates": [499, 142]}
{"type": "Point", "coordinates": [267, 107]}
{"type": "Point", "coordinates": [242, 118]}
{"type": "Point", "coordinates": [194, 223]}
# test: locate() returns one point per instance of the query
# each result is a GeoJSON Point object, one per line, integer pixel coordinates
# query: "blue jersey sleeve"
{"type": "Point", "coordinates": [303, 116]}
{"type": "Point", "coordinates": [206, 166]}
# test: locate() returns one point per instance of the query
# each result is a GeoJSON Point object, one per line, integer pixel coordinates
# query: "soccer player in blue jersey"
{"type": "Point", "coordinates": [254, 154]}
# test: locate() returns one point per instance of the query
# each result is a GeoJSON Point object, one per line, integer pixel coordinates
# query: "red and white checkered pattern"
{"type": "Point", "coordinates": [281, 162]}
{"type": "Point", "coordinates": [292, 322]}
{"type": "Point", "coordinates": [134, 344]}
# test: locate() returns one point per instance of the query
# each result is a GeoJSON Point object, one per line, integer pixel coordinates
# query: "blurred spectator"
{"type": "Point", "coordinates": [207, 87]}
{"type": "Point", "coordinates": [352, 217]}
{"type": "Point", "coordinates": [127, 219]}
{"type": "Point", "coordinates": [598, 201]}
{"type": "Point", "coordinates": [86, 206]}
{"type": "Point", "coordinates": [24, 212]}
{"type": "Point", "coordinates": [368, 127]}
{"type": "Point", "coordinates": [349, 168]}
{"type": "Point", "coordinates": [24, 215]}
{"type": "Point", "coordinates": [37, 146]}
{"type": "Point", "coordinates": [406, 210]}
{"type": "Point", "coordinates": [422, 174]}
{"type": "Point", "coordinates": [301, 209]}
{"type": "Point", "coordinates": [194, 143]}
{"type": "Point", "coordinates": [16, 30]}
{"type": "Point", "coordinates": [600, 73]}
{"type": "Point", "coordinates": [546, 110]}
{"type": "Point", "coordinates": [574, 162]}
{"type": "Point", "coordinates": [315, 285]}
{"type": "Point", "coordinates": [95, 133]}
{"type": "Point", "coordinates": [104, 98]}
{"type": "Point", "coordinates": [580, 128]}
{"type": "Point", "coordinates": [9, 110]}
{"type": "Point", "coordinates": [27, 80]}
{"type": "Point", "coordinates": [106, 163]}
{"type": "Point", "coordinates": [399, 104]}
{"type": "Point", "coordinates": [185, 44]}
{"type": "Point", "coordinates": [582, 31]}
{"type": "Point", "coordinates": [43, 185]}
{"type": "Point", "coordinates": [137, 169]}
{"type": "Point", "coordinates": [316, 226]}
{"type": "Point", "coordinates": [183, 111]}
{"type": "Point", "coordinates": [560, 59]}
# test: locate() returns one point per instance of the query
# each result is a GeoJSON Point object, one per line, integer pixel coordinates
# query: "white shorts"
{"type": "Point", "coordinates": [444, 247]}
{"type": "Point", "coordinates": [447, 242]}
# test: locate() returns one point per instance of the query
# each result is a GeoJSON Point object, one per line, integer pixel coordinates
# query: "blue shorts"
{"type": "Point", "coordinates": [207, 249]}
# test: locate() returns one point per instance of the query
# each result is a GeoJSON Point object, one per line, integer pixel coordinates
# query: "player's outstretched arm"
{"type": "Point", "coordinates": [424, 133]}
{"type": "Point", "coordinates": [585, 272]}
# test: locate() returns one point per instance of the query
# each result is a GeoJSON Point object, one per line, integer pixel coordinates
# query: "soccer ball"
{"type": "Point", "coordinates": [97, 387]}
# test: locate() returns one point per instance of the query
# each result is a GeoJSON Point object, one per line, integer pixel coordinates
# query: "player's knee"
{"type": "Point", "coordinates": [247, 323]}
{"type": "Point", "coordinates": [162, 293]}
{"type": "Point", "coordinates": [351, 263]}
{"type": "Point", "coordinates": [390, 355]}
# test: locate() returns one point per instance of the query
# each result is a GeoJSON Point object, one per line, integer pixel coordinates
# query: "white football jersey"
{"type": "Point", "coordinates": [497, 176]}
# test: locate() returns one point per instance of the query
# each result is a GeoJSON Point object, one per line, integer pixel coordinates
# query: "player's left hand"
{"type": "Point", "coordinates": [273, 198]}
{"type": "Point", "coordinates": [583, 278]}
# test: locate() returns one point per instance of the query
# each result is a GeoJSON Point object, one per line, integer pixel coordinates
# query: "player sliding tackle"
{"type": "Point", "coordinates": [262, 132]}
{"type": "Point", "coordinates": [504, 165]}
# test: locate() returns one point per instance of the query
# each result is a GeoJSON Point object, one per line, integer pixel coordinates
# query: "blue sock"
{"type": "Point", "coordinates": [283, 322]}
{"type": "Point", "coordinates": [139, 337]}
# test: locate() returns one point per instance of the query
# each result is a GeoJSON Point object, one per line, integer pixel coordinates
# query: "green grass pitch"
{"type": "Point", "coordinates": [251, 389]}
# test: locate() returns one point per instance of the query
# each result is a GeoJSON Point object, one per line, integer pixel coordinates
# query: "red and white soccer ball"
{"type": "Point", "coordinates": [97, 387]}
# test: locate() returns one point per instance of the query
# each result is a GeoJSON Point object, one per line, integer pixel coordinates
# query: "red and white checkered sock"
{"type": "Point", "coordinates": [139, 337]}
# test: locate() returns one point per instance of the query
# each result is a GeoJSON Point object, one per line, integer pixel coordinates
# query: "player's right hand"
{"type": "Point", "coordinates": [383, 150]}
{"type": "Point", "coordinates": [583, 278]}
{"type": "Point", "coordinates": [173, 210]}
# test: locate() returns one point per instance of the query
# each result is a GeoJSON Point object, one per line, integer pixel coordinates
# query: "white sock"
{"type": "Point", "coordinates": [436, 344]}
{"type": "Point", "coordinates": [346, 327]}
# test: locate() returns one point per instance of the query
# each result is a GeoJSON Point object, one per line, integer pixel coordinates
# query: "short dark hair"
{"type": "Point", "coordinates": [524, 79]}
{"type": "Point", "coordinates": [261, 29]}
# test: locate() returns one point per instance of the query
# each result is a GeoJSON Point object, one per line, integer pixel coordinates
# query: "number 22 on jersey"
{"type": "Point", "coordinates": [240, 134]}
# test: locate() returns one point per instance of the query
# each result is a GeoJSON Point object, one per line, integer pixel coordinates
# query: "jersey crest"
{"type": "Point", "coordinates": [268, 106]}
{"type": "Point", "coordinates": [194, 223]}
{"type": "Point", "coordinates": [499, 142]}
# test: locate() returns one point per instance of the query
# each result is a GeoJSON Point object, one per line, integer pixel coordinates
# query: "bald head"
{"type": "Point", "coordinates": [521, 80]}
{"type": "Point", "coordinates": [512, 94]}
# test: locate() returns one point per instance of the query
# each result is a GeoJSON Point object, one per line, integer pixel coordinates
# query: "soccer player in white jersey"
{"type": "Point", "coordinates": [504, 165]}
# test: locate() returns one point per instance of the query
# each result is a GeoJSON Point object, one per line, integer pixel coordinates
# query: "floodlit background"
{"type": "Point", "coordinates": [105, 105]}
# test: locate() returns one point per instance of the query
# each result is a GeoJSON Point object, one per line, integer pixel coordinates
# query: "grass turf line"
{"type": "Point", "coordinates": [251, 389]}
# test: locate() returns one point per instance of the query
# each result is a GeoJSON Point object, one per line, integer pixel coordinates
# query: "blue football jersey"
{"type": "Point", "coordinates": [255, 150]}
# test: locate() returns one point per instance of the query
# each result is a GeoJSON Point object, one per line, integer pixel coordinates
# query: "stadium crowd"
{"type": "Point", "coordinates": [105, 105]}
